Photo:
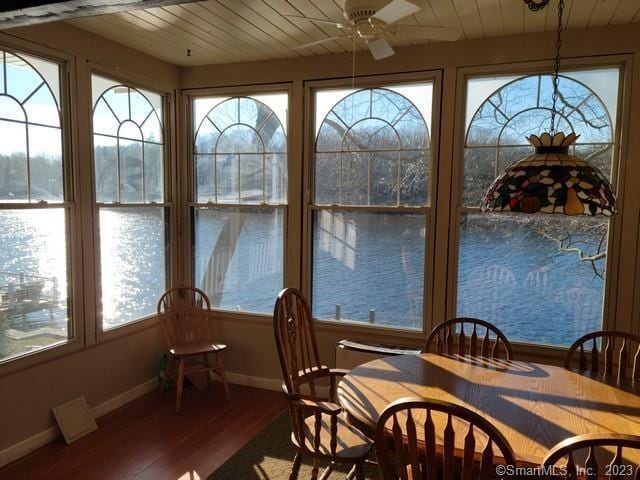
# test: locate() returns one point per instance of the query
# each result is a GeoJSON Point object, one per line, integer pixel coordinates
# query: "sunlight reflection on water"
{"type": "Point", "coordinates": [34, 244]}
{"type": "Point", "coordinates": [132, 252]}
{"type": "Point", "coordinates": [564, 301]}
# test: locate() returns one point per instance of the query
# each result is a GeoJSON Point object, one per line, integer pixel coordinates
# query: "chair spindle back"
{"type": "Point", "coordinates": [301, 369]}
{"type": "Point", "coordinates": [296, 342]}
{"type": "Point", "coordinates": [184, 314]}
{"type": "Point", "coordinates": [618, 354]}
{"type": "Point", "coordinates": [469, 336]}
{"type": "Point", "coordinates": [593, 467]}
{"type": "Point", "coordinates": [409, 423]}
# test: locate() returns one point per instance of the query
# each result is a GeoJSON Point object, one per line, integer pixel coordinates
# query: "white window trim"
{"type": "Point", "coordinates": [350, 327]}
{"type": "Point", "coordinates": [610, 318]}
{"type": "Point", "coordinates": [290, 234]}
{"type": "Point", "coordinates": [102, 335]}
{"type": "Point", "coordinates": [70, 204]}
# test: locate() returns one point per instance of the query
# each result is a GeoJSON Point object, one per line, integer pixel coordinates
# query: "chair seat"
{"type": "Point", "coordinates": [196, 347]}
{"type": "Point", "coordinates": [352, 444]}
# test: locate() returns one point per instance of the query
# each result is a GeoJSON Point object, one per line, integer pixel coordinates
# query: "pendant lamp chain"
{"type": "Point", "coordinates": [551, 180]}
{"type": "Point", "coordinates": [556, 68]}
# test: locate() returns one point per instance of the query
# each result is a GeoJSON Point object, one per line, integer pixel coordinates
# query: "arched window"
{"type": "Point", "coordinates": [549, 263]}
{"type": "Point", "coordinates": [240, 193]}
{"type": "Point", "coordinates": [498, 131]}
{"type": "Point", "coordinates": [128, 145]}
{"type": "Point", "coordinates": [241, 153]}
{"type": "Point", "coordinates": [129, 164]}
{"type": "Point", "coordinates": [372, 149]}
{"type": "Point", "coordinates": [31, 130]}
{"type": "Point", "coordinates": [372, 161]}
{"type": "Point", "coordinates": [34, 211]}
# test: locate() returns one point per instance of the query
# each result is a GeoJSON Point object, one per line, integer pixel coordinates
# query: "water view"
{"type": "Point", "coordinates": [514, 272]}
{"type": "Point", "coordinates": [133, 253]}
{"type": "Point", "coordinates": [33, 280]}
{"type": "Point", "coordinates": [540, 279]}
{"type": "Point", "coordinates": [367, 268]}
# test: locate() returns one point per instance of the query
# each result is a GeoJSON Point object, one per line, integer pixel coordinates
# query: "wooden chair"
{"type": "Point", "coordinates": [184, 314]}
{"type": "Point", "coordinates": [406, 445]}
{"type": "Point", "coordinates": [320, 431]}
{"type": "Point", "coordinates": [619, 353]}
{"type": "Point", "coordinates": [475, 340]}
{"type": "Point", "coordinates": [594, 465]}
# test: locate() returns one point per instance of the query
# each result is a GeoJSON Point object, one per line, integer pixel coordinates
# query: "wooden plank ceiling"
{"type": "Point", "coordinates": [227, 31]}
{"type": "Point", "coordinates": [20, 13]}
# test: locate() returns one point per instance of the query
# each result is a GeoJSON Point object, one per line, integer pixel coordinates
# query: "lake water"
{"type": "Point", "coordinates": [513, 276]}
{"type": "Point", "coordinates": [371, 265]}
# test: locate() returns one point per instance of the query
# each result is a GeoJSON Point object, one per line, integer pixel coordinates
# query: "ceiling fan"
{"type": "Point", "coordinates": [374, 21]}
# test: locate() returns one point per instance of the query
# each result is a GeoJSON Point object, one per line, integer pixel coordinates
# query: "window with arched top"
{"type": "Point", "coordinates": [30, 121]}
{"type": "Point", "coordinates": [35, 207]}
{"type": "Point", "coordinates": [372, 148]}
{"type": "Point", "coordinates": [497, 132]}
{"type": "Point", "coordinates": [128, 144]}
{"type": "Point", "coordinates": [240, 197]}
{"type": "Point", "coordinates": [370, 204]}
{"type": "Point", "coordinates": [547, 258]}
{"type": "Point", "coordinates": [241, 154]}
{"type": "Point", "coordinates": [129, 166]}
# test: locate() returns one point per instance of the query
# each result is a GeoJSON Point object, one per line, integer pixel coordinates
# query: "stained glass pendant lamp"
{"type": "Point", "coordinates": [551, 180]}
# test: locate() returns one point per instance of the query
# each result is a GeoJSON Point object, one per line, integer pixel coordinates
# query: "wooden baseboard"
{"type": "Point", "coordinates": [40, 439]}
{"type": "Point", "coordinates": [28, 445]}
{"type": "Point", "coordinates": [257, 382]}
{"type": "Point", "coordinates": [274, 384]}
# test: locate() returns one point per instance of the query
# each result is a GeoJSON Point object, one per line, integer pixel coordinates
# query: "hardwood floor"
{"type": "Point", "coordinates": [146, 439]}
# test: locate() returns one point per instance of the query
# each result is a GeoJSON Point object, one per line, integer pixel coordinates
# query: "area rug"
{"type": "Point", "coordinates": [269, 456]}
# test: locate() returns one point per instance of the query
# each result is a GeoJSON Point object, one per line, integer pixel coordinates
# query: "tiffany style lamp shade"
{"type": "Point", "coordinates": [551, 181]}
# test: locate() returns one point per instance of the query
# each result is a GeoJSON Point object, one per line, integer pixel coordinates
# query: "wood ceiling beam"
{"type": "Point", "coordinates": [21, 13]}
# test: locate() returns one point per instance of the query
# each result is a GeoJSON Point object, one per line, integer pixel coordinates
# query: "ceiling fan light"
{"type": "Point", "coordinates": [367, 31]}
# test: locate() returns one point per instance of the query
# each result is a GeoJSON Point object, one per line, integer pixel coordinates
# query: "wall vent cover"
{"type": "Point", "coordinates": [75, 419]}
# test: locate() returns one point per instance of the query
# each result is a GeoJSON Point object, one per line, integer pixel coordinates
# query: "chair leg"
{"type": "Point", "coordinates": [205, 359]}
{"type": "Point", "coordinates": [180, 384]}
{"type": "Point", "coordinates": [223, 377]}
{"type": "Point", "coordinates": [352, 473]}
{"type": "Point", "coordinates": [356, 472]}
{"type": "Point", "coordinates": [315, 469]}
{"type": "Point", "coordinates": [295, 468]}
{"type": "Point", "coordinates": [166, 373]}
{"type": "Point", "coordinates": [327, 472]}
{"type": "Point", "coordinates": [359, 471]}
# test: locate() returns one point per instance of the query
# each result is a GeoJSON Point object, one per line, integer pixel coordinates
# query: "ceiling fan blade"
{"type": "Point", "coordinates": [380, 48]}
{"type": "Point", "coordinates": [316, 20]}
{"type": "Point", "coordinates": [445, 34]}
{"type": "Point", "coordinates": [395, 10]}
{"type": "Point", "coordinates": [318, 42]}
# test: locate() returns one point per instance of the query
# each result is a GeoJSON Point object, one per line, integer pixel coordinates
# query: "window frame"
{"type": "Point", "coordinates": [70, 203]}
{"type": "Point", "coordinates": [291, 227]}
{"type": "Point", "coordinates": [429, 210]}
{"type": "Point", "coordinates": [623, 62]}
{"type": "Point", "coordinates": [168, 129]}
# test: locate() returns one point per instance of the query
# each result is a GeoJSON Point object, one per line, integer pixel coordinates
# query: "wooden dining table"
{"type": "Point", "coordinates": [535, 406]}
